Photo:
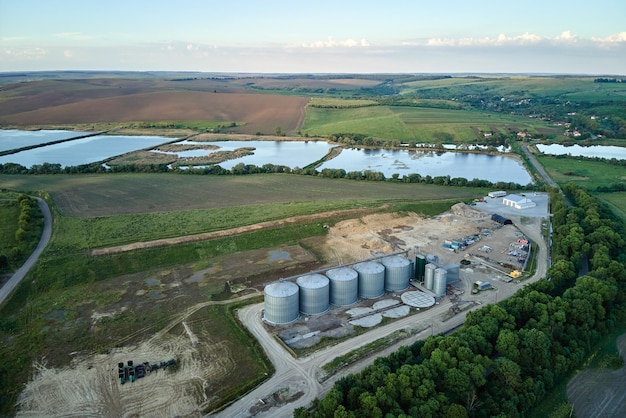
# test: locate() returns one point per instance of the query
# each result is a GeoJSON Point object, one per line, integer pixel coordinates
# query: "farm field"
{"type": "Point", "coordinates": [100, 195]}
{"type": "Point", "coordinates": [414, 123]}
{"type": "Point", "coordinates": [97, 101]}
{"type": "Point", "coordinates": [567, 88]}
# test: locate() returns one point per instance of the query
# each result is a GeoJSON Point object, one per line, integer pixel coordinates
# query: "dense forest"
{"type": "Point", "coordinates": [508, 355]}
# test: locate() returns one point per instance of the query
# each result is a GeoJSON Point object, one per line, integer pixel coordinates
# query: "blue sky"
{"type": "Point", "coordinates": [278, 36]}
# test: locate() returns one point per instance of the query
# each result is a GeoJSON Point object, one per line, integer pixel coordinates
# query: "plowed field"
{"type": "Point", "coordinates": [64, 103]}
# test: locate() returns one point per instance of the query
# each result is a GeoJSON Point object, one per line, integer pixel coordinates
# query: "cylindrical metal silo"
{"type": "Point", "coordinates": [453, 272]}
{"type": "Point", "coordinates": [314, 293]}
{"type": "Point", "coordinates": [429, 275]}
{"type": "Point", "coordinates": [397, 273]}
{"type": "Point", "coordinates": [420, 264]}
{"type": "Point", "coordinates": [282, 303]}
{"type": "Point", "coordinates": [371, 279]}
{"type": "Point", "coordinates": [439, 288]}
{"type": "Point", "coordinates": [344, 286]}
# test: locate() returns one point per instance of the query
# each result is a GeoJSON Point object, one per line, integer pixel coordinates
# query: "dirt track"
{"type": "Point", "coordinates": [223, 233]}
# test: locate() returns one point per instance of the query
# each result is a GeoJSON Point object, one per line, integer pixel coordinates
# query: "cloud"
{"type": "Point", "coordinates": [566, 38]}
{"type": "Point", "coordinates": [611, 39]}
{"type": "Point", "coordinates": [331, 43]}
{"type": "Point", "coordinates": [73, 36]}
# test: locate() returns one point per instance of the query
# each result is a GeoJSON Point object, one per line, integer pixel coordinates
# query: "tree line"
{"type": "Point", "coordinates": [245, 169]}
{"type": "Point", "coordinates": [509, 355]}
{"type": "Point", "coordinates": [29, 224]}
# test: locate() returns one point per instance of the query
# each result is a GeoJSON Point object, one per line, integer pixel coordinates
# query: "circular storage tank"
{"type": "Point", "coordinates": [397, 273]}
{"type": "Point", "coordinates": [441, 280]}
{"type": "Point", "coordinates": [371, 279]}
{"type": "Point", "coordinates": [429, 275]}
{"type": "Point", "coordinates": [453, 272]}
{"type": "Point", "coordinates": [344, 286]}
{"type": "Point", "coordinates": [282, 302]}
{"type": "Point", "coordinates": [314, 293]}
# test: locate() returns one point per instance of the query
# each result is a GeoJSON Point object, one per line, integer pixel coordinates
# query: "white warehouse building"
{"type": "Point", "coordinates": [518, 202]}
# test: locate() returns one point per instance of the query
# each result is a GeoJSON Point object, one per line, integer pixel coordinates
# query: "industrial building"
{"type": "Point", "coordinates": [501, 219]}
{"type": "Point", "coordinates": [518, 202]}
{"type": "Point", "coordinates": [499, 193]}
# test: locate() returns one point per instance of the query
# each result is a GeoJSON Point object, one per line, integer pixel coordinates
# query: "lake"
{"type": "Point", "coordinates": [597, 151]}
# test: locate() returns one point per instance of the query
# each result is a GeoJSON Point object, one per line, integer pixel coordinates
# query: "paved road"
{"type": "Point", "coordinates": [305, 372]}
{"type": "Point", "coordinates": [17, 277]}
{"type": "Point", "coordinates": [538, 166]}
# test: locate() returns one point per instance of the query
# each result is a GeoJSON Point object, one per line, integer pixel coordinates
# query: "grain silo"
{"type": "Point", "coordinates": [439, 288]}
{"type": "Point", "coordinates": [282, 303]}
{"type": "Point", "coordinates": [371, 279]}
{"type": "Point", "coordinates": [344, 286]}
{"type": "Point", "coordinates": [314, 293]}
{"type": "Point", "coordinates": [397, 273]}
{"type": "Point", "coordinates": [453, 271]}
{"type": "Point", "coordinates": [420, 264]}
{"type": "Point", "coordinates": [429, 275]}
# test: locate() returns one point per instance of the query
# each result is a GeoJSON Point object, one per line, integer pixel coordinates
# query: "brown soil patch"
{"type": "Point", "coordinates": [257, 112]}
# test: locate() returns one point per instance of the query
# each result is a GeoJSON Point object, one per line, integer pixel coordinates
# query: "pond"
{"type": "Point", "coordinates": [288, 153]}
{"type": "Point", "coordinates": [593, 151]}
{"type": "Point", "coordinates": [14, 138]}
{"type": "Point", "coordinates": [494, 168]}
{"type": "Point", "coordinates": [82, 151]}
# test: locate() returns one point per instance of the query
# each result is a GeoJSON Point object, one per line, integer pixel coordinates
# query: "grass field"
{"type": "Point", "coordinates": [587, 174]}
{"type": "Point", "coordinates": [117, 194]}
{"type": "Point", "coordinates": [565, 88]}
{"type": "Point", "coordinates": [616, 202]}
{"type": "Point", "coordinates": [412, 123]}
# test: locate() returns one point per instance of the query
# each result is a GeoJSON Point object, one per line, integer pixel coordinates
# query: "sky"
{"type": "Point", "coordinates": [315, 36]}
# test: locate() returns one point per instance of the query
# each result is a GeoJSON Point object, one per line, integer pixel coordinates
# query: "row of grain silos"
{"type": "Point", "coordinates": [312, 294]}
{"type": "Point", "coordinates": [435, 278]}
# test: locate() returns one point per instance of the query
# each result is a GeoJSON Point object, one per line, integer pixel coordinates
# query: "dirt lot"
{"type": "Point", "coordinates": [207, 357]}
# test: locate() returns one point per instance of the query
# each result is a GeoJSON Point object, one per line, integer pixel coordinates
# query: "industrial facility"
{"type": "Point", "coordinates": [314, 293]}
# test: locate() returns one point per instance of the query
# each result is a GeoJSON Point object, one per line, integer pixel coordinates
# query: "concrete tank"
{"type": "Point", "coordinates": [453, 272]}
{"type": "Point", "coordinates": [371, 279]}
{"type": "Point", "coordinates": [429, 275]}
{"type": "Point", "coordinates": [344, 286]}
{"type": "Point", "coordinates": [439, 288]}
{"type": "Point", "coordinates": [282, 303]}
{"type": "Point", "coordinates": [420, 265]}
{"type": "Point", "coordinates": [397, 273]}
{"type": "Point", "coordinates": [314, 293]}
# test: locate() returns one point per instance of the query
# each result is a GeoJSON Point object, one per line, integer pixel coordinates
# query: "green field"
{"type": "Point", "coordinates": [419, 124]}
{"type": "Point", "coordinates": [587, 174]}
{"type": "Point", "coordinates": [616, 202]}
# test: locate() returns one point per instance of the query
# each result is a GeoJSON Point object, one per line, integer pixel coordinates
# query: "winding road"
{"type": "Point", "coordinates": [306, 372]}
{"type": "Point", "coordinates": [19, 275]}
